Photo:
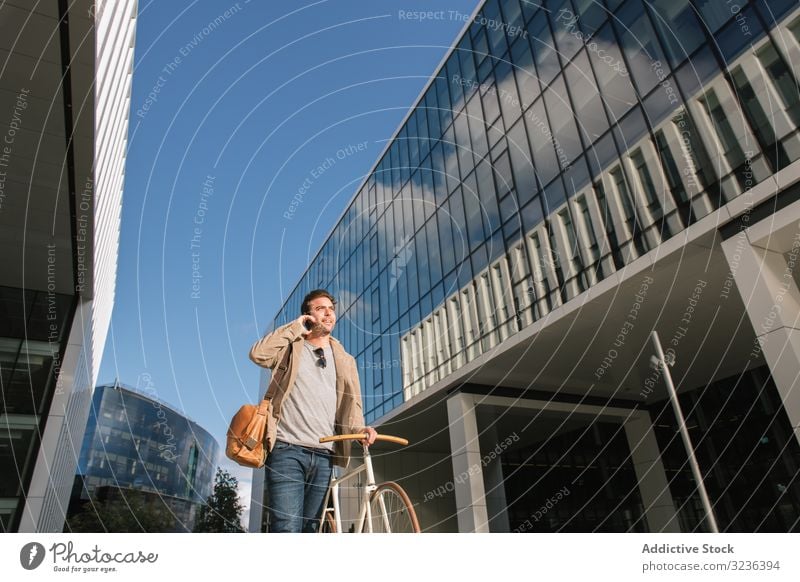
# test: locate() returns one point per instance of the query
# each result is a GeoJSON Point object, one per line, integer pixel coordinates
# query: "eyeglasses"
{"type": "Point", "coordinates": [320, 353]}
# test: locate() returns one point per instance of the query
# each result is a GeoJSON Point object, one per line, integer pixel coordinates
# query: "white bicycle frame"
{"type": "Point", "coordinates": [365, 511]}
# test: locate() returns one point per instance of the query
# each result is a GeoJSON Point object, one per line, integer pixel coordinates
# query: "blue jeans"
{"type": "Point", "coordinates": [297, 480]}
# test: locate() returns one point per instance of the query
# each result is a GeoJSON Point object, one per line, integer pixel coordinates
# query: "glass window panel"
{"type": "Point", "coordinates": [477, 128]}
{"type": "Point", "coordinates": [697, 71]}
{"type": "Point", "coordinates": [759, 121]}
{"type": "Point", "coordinates": [495, 248]}
{"type": "Point", "coordinates": [438, 173]}
{"type": "Point", "coordinates": [542, 44]}
{"type": "Point", "coordinates": [485, 70]}
{"type": "Point", "coordinates": [430, 202]}
{"type": "Point", "coordinates": [28, 367]}
{"type": "Point", "coordinates": [468, 74]}
{"type": "Point", "coordinates": [507, 92]}
{"type": "Point", "coordinates": [446, 239]}
{"type": "Point", "coordinates": [784, 80]}
{"type": "Point", "coordinates": [395, 157]}
{"type": "Point", "coordinates": [772, 10]}
{"type": "Point", "coordinates": [443, 99]}
{"type": "Point", "coordinates": [461, 126]}
{"type": "Point", "coordinates": [453, 78]}
{"type": "Point", "coordinates": [402, 142]}
{"type": "Point", "coordinates": [734, 38]}
{"type": "Point", "coordinates": [532, 214]}
{"type": "Point", "coordinates": [625, 199]}
{"type": "Point", "coordinates": [731, 148]}
{"type": "Point", "coordinates": [509, 207]}
{"type": "Point", "coordinates": [544, 154]}
{"type": "Point", "coordinates": [671, 169]}
{"type": "Point", "coordinates": [464, 272]}
{"type": "Point", "coordinates": [586, 97]}
{"type": "Point", "coordinates": [562, 122]}
{"type": "Point", "coordinates": [512, 14]}
{"type": "Point", "coordinates": [646, 180]}
{"type": "Point", "coordinates": [678, 28]}
{"type": "Point", "coordinates": [421, 257]}
{"type": "Point", "coordinates": [488, 197]}
{"type": "Point", "coordinates": [451, 159]}
{"type": "Point", "coordinates": [434, 127]}
{"type": "Point", "coordinates": [640, 45]}
{"type": "Point", "coordinates": [529, 8]}
{"type": "Point", "coordinates": [502, 174]}
{"type": "Point", "coordinates": [400, 278]}
{"type": "Point", "coordinates": [479, 259]}
{"type": "Point", "coordinates": [480, 45]}
{"type": "Point", "coordinates": [586, 218]}
{"type": "Point", "coordinates": [694, 152]}
{"type": "Point", "coordinates": [714, 13]}
{"type": "Point", "coordinates": [612, 77]}
{"type": "Point", "coordinates": [433, 250]}
{"type": "Point", "coordinates": [662, 101]}
{"type": "Point", "coordinates": [494, 28]}
{"type": "Point", "coordinates": [413, 142]}
{"type": "Point", "coordinates": [521, 164]}
{"type": "Point", "coordinates": [577, 176]}
{"type": "Point", "coordinates": [525, 71]}
{"type": "Point", "coordinates": [630, 129]}
{"type": "Point", "coordinates": [415, 206]}
{"type": "Point", "coordinates": [422, 133]}
{"type": "Point", "coordinates": [459, 223]}
{"type": "Point", "coordinates": [473, 212]}
{"type": "Point", "coordinates": [491, 105]}
{"type": "Point", "coordinates": [554, 196]}
{"type": "Point", "coordinates": [590, 15]}
{"type": "Point", "coordinates": [563, 24]}
{"type": "Point", "coordinates": [373, 249]}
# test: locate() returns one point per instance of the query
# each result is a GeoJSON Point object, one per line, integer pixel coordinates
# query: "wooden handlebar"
{"type": "Point", "coordinates": [359, 436]}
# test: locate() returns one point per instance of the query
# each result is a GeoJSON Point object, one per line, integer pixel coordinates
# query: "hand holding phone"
{"type": "Point", "coordinates": [308, 323]}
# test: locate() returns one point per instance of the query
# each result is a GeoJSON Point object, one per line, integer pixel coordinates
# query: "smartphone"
{"type": "Point", "coordinates": [309, 325]}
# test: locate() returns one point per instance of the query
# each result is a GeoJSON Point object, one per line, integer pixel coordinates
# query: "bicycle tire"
{"type": "Point", "coordinates": [400, 515]}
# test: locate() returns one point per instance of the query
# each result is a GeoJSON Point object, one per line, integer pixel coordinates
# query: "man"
{"type": "Point", "coordinates": [320, 395]}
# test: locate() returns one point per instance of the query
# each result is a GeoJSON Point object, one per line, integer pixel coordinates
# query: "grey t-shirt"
{"type": "Point", "coordinates": [309, 412]}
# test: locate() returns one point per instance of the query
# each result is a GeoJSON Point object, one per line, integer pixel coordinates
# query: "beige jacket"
{"type": "Point", "coordinates": [268, 353]}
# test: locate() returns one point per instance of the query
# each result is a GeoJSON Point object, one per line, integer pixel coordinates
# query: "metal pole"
{"type": "Point", "coordinates": [687, 441]}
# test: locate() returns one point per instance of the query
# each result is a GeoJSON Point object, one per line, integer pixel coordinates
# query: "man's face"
{"type": "Point", "coordinates": [324, 312]}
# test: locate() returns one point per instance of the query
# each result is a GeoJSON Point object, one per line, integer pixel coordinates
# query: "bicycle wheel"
{"type": "Point", "coordinates": [391, 510]}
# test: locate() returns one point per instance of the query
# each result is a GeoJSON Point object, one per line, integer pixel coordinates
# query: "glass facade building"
{"type": "Point", "coordinates": [567, 163]}
{"type": "Point", "coordinates": [135, 441]}
{"type": "Point", "coordinates": [65, 95]}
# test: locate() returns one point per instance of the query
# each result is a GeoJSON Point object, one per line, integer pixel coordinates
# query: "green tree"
{"type": "Point", "coordinates": [131, 512]}
{"type": "Point", "coordinates": [222, 511]}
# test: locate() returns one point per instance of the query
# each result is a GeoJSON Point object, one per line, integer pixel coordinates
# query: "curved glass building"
{"type": "Point", "coordinates": [576, 175]}
{"type": "Point", "coordinates": [135, 441]}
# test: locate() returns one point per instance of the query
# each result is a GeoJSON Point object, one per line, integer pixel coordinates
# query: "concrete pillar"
{"type": "Point", "coordinates": [659, 508]}
{"type": "Point", "coordinates": [765, 271]}
{"type": "Point", "coordinates": [467, 468]}
{"type": "Point", "coordinates": [496, 507]}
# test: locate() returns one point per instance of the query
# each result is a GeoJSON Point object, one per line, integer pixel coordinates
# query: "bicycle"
{"type": "Point", "coordinates": [383, 508]}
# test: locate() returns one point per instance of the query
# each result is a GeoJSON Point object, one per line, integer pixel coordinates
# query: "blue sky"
{"type": "Point", "coordinates": [235, 106]}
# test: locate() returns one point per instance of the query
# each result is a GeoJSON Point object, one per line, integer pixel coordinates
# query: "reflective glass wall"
{"type": "Point", "coordinates": [574, 117]}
